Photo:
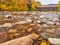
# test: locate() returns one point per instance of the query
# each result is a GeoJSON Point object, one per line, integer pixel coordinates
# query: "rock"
{"type": "Point", "coordinates": [39, 25]}
{"type": "Point", "coordinates": [49, 22]}
{"type": "Point", "coordinates": [38, 21]}
{"type": "Point", "coordinates": [43, 35]}
{"type": "Point", "coordinates": [35, 17]}
{"type": "Point", "coordinates": [21, 22]}
{"type": "Point", "coordinates": [12, 31]}
{"type": "Point", "coordinates": [45, 25]}
{"type": "Point", "coordinates": [7, 25]}
{"type": "Point", "coordinates": [49, 33]}
{"type": "Point", "coordinates": [42, 16]}
{"type": "Point", "coordinates": [32, 24]}
{"type": "Point", "coordinates": [44, 20]}
{"type": "Point", "coordinates": [3, 37]}
{"type": "Point", "coordinates": [55, 41]}
{"type": "Point", "coordinates": [57, 23]}
{"type": "Point", "coordinates": [18, 16]}
{"type": "Point", "coordinates": [33, 13]}
{"type": "Point", "coordinates": [58, 28]}
{"type": "Point", "coordinates": [27, 40]}
{"type": "Point", "coordinates": [25, 12]}
{"type": "Point", "coordinates": [9, 15]}
{"type": "Point", "coordinates": [29, 20]}
{"type": "Point", "coordinates": [55, 20]}
{"type": "Point", "coordinates": [29, 30]}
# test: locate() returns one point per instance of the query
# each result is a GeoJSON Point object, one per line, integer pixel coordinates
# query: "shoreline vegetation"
{"type": "Point", "coordinates": [11, 5]}
{"type": "Point", "coordinates": [32, 5]}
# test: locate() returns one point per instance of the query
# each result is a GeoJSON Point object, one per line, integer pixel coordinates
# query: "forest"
{"type": "Point", "coordinates": [18, 5]}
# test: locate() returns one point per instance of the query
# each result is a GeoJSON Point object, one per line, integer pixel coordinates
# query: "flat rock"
{"type": "Point", "coordinates": [54, 41]}
{"type": "Point", "coordinates": [27, 40]}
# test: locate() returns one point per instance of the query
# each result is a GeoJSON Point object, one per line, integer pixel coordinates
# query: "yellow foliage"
{"type": "Point", "coordinates": [45, 43]}
{"type": "Point", "coordinates": [3, 7]}
{"type": "Point", "coordinates": [35, 4]}
{"type": "Point", "coordinates": [10, 8]}
{"type": "Point", "coordinates": [16, 5]}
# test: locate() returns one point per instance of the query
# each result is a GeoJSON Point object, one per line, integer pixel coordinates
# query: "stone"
{"type": "Point", "coordinates": [49, 22]}
{"type": "Point", "coordinates": [26, 40]}
{"type": "Point", "coordinates": [29, 30]}
{"type": "Point", "coordinates": [55, 41]}
{"type": "Point", "coordinates": [58, 23]}
{"type": "Point", "coordinates": [21, 22]}
{"type": "Point", "coordinates": [42, 16]}
{"type": "Point", "coordinates": [12, 31]}
{"type": "Point", "coordinates": [33, 13]}
{"type": "Point", "coordinates": [29, 20]}
{"type": "Point", "coordinates": [7, 25]}
{"type": "Point", "coordinates": [35, 17]}
{"type": "Point", "coordinates": [38, 21]}
{"type": "Point", "coordinates": [45, 25]}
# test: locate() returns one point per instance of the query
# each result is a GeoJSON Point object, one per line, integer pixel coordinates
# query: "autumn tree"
{"type": "Point", "coordinates": [59, 6]}
{"type": "Point", "coordinates": [0, 1]}
{"type": "Point", "coordinates": [2, 5]}
{"type": "Point", "coordinates": [35, 4]}
{"type": "Point", "coordinates": [19, 5]}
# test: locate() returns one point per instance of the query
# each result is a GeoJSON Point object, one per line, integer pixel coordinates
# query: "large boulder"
{"type": "Point", "coordinates": [55, 41]}
{"type": "Point", "coordinates": [27, 40]}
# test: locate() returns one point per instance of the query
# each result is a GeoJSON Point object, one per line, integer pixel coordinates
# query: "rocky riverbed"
{"type": "Point", "coordinates": [18, 24]}
{"type": "Point", "coordinates": [26, 17]}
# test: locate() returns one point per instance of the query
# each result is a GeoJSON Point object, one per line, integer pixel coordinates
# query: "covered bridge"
{"type": "Point", "coordinates": [50, 7]}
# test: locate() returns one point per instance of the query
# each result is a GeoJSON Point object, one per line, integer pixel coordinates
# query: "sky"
{"type": "Point", "coordinates": [45, 2]}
